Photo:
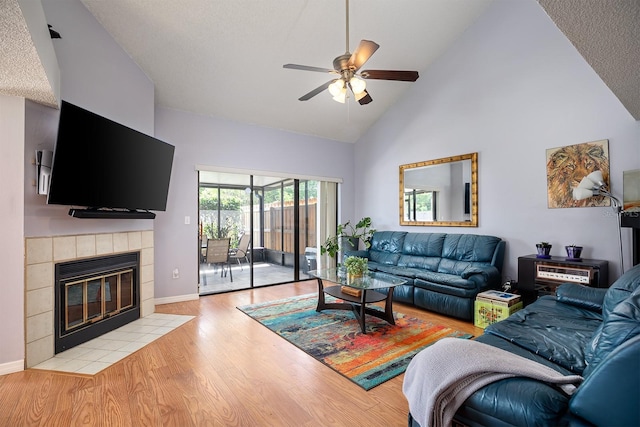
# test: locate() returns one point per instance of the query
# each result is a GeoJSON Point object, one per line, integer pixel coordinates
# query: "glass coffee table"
{"type": "Point", "coordinates": [367, 286]}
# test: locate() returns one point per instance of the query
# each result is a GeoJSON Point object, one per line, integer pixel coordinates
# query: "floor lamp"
{"type": "Point", "coordinates": [594, 185]}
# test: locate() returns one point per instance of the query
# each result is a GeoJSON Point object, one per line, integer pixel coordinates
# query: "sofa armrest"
{"type": "Point", "coordinates": [609, 394]}
{"type": "Point", "coordinates": [581, 296]}
{"type": "Point", "coordinates": [484, 276]}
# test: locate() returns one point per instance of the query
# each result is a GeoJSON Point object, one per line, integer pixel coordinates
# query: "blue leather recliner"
{"type": "Point", "coordinates": [444, 272]}
{"type": "Point", "coordinates": [592, 332]}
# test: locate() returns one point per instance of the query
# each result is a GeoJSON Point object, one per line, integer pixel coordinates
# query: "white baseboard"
{"type": "Point", "coordinates": [11, 367]}
{"type": "Point", "coordinates": [179, 298]}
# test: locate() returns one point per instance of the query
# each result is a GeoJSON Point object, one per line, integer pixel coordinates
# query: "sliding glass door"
{"type": "Point", "coordinates": [277, 216]}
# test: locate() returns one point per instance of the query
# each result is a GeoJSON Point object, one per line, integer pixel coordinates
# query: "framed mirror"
{"type": "Point", "coordinates": [441, 192]}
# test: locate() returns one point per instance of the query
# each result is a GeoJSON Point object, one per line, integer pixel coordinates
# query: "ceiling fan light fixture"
{"type": "Point", "coordinates": [336, 88]}
{"type": "Point", "coordinates": [346, 66]}
{"type": "Point", "coordinates": [360, 95]}
{"type": "Point", "coordinates": [357, 86]}
{"type": "Point", "coordinates": [341, 97]}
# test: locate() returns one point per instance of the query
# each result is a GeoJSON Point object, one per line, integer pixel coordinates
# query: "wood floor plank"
{"type": "Point", "coordinates": [220, 369]}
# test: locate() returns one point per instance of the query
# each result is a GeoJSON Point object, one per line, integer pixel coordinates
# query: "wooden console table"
{"type": "Point", "coordinates": [534, 281]}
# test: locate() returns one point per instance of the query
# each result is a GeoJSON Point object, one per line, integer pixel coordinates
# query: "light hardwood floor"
{"type": "Point", "coordinates": [220, 369]}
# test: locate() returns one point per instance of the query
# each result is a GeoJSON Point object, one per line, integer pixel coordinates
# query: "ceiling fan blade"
{"type": "Point", "coordinates": [363, 52]}
{"type": "Point", "coordinates": [365, 99]}
{"type": "Point", "coordinates": [316, 91]}
{"type": "Point", "coordinates": [405, 76]}
{"type": "Point", "coordinates": [308, 68]}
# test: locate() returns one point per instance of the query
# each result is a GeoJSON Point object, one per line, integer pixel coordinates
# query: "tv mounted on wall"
{"type": "Point", "coordinates": [109, 169]}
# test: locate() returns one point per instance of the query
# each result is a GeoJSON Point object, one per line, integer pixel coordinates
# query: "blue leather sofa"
{"type": "Point", "coordinates": [592, 332]}
{"type": "Point", "coordinates": [445, 272]}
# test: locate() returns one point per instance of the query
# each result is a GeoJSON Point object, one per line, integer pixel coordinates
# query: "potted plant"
{"type": "Point", "coordinates": [356, 267]}
{"type": "Point", "coordinates": [351, 233]}
{"type": "Point", "coordinates": [573, 252]}
{"type": "Point", "coordinates": [543, 248]}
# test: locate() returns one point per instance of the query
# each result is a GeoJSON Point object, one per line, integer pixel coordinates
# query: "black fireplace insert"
{"type": "Point", "coordinates": [95, 296]}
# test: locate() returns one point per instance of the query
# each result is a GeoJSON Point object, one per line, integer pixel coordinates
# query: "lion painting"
{"type": "Point", "coordinates": [566, 166]}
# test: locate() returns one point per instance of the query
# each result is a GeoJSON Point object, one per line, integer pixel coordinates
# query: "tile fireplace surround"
{"type": "Point", "coordinates": [43, 253]}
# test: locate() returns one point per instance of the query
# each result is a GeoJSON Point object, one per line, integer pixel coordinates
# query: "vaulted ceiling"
{"type": "Point", "coordinates": [224, 58]}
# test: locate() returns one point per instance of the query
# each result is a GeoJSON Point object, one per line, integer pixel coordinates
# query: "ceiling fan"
{"type": "Point", "coordinates": [347, 67]}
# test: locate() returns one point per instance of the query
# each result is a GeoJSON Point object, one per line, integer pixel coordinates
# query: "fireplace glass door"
{"type": "Point", "coordinates": [96, 298]}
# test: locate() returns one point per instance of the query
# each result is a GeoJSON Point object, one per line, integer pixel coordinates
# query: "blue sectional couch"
{"type": "Point", "coordinates": [591, 332]}
{"type": "Point", "coordinates": [445, 272]}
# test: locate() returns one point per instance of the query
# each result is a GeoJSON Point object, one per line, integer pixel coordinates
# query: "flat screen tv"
{"type": "Point", "coordinates": [111, 169]}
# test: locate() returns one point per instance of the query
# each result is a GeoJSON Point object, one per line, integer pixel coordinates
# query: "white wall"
{"type": "Point", "coordinates": [217, 142]}
{"type": "Point", "coordinates": [510, 87]}
{"type": "Point", "coordinates": [96, 74]}
{"type": "Point", "coordinates": [12, 111]}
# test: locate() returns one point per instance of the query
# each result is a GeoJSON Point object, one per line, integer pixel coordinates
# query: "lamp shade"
{"type": "Point", "coordinates": [336, 87]}
{"type": "Point", "coordinates": [586, 183]}
{"type": "Point", "coordinates": [357, 86]}
{"type": "Point", "coordinates": [341, 97]}
{"type": "Point", "coordinates": [582, 193]}
{"type": "Point", "coordinates": [360, 95]}
{"type": "Point", "coordinates": [596, 178]}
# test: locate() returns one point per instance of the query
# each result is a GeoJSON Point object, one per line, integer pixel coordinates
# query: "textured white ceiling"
{"type": "Point", "coordinates": [225, 57]}
{"type": "Point", "coordinates": [22, 72]}
{"type": "Point", "coordinates": [607, 35]}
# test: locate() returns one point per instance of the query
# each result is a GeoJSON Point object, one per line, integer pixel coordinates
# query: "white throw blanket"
{"type": "Point", "coordinates": [441, 377]}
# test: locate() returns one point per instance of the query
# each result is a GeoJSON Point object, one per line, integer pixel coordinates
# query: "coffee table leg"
{"type": "Point", "coordinates": [388, 307]}
{"type": "Point", "coordinates": [363, 298]}
{"type": "Point", "coordinates": [321, 304]}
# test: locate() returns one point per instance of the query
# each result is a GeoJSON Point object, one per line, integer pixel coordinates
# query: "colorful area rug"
{"type": "Point", "coordinates": [334, 338]}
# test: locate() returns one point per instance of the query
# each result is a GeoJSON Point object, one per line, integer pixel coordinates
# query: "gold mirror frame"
{"type": "Point", "coordinates": [470, 219]}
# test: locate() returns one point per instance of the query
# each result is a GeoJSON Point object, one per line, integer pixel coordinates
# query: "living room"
{"type": "Point", "coordinates": [511, 87]}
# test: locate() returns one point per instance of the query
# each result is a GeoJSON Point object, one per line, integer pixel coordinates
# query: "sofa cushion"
{"type": "Point", "coordinates": [581, 296]}
{"type": "Point", "coordinates": [463, 251]}
{"type": "Point", "coordinates": [386, 246]}
{"type": "Point", "coordinates": [446, 279]}
{"type": "Point", "coordinates": [469, 247]}
{"type": "Point", "coordinates": [621, 289]}
{"type": "Point", "coordinates": [416, 261]}
{"type": "Point", "coordinates": [405, 273]}
{"type": "Point", "coordinates": [424, 244]}
{"type": "Point", "coordinates": [444, 290]}
{"type": "Point", "coordinates": [508, 402]}
{"type": "Point", "coordinates": [556, 331]}
{"type": "Point", "coordinates": [622, 324]}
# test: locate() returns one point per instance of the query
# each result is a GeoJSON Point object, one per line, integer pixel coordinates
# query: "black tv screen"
{"type": "Point", "coordinates": [98, 164]}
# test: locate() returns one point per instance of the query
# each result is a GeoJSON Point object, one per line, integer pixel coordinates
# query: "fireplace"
{"type": "Point", "coordinates": [45, 252]}
{"type": "Point", "coordinates": [94, 296]}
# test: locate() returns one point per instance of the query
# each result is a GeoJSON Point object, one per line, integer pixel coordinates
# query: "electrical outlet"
{"type": "Point", "coordinates": [176, 273]}
{"type": "Point", "coordinates": [187, 220]}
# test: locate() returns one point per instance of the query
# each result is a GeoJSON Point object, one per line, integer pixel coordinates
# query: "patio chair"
{"type": "Point", "coordinates": [203, 249]}
{"type": "Point", "coordinates": [218, 254]}
{"type": "Point", "coordinates": [241, 251]}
